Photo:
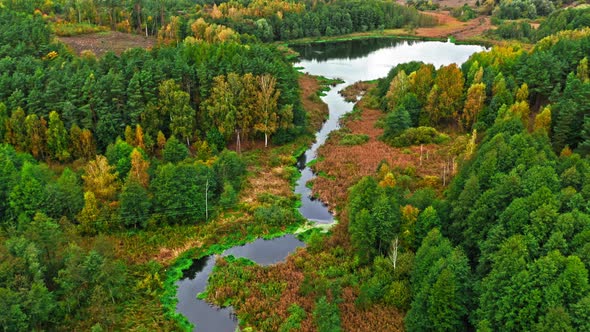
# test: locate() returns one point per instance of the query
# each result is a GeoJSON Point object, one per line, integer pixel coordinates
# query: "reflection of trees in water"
{"type": "Point", "coordinates": [197, 266]}
{"type": "Point", "coordinates": [350, 49]}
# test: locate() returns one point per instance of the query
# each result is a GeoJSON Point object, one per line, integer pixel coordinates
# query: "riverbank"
{"type": "Point", "coordinates": [270, 180]}
{"type": "Point", "coordinates": [341, 165]}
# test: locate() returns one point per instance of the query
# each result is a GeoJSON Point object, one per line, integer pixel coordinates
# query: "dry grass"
{"type": "Point", "coordinates": [102, 42]}
{"type": "Point", "coordinates": [345, 165]}
{"type": "Point", "coordinates": [317, 110]}
{"type": "Point", "coordinates": [450, 26]}
{"type": "Point", "coordinates": [353, 91]}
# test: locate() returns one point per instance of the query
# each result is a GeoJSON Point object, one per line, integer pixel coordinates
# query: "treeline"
{"type": "Point", "coordinates": [167, 91]}
{"type": "Point", "coordinates": [507, 248]}
{"type": "Point", "coordinates": [319, 18]}
{"type": "Point", "coordinates": [124, 189]}
{"type": "Point", "coordinates": [142, 16]}
{"type": "Point", "coordinates": [559, 20]}
{"type": "Point", "coordinates": [266, 20]}
{"type": "Point", "coordinates": [491, 85]}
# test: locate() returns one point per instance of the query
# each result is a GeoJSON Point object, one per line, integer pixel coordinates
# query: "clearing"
{"type": "Point", "coordinates": [450, 26]}
{"type": "Point", "coordinates": [102, 42]}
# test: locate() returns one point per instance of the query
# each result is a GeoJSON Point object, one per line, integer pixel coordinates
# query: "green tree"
{"type": "Point", "coordinates": [119, 155]}
{"type": "Point", "coordinates": [175, 104]}
{"type": "Point", "coordinates": [440, 282]}
{"type": "Point", "coordinates": [57, 138]}
{"type": "Point", "coordinates": [66, 197]}
{"type": "Point", "coordinates": [326, 316]}
{"type": "Point", "coordinates": [134, 204]}
{"type": "Point", "coordinates": [174, 151]}
{"type": "Point", "coordinates": [29, 195]}
{"type": "Point", "coordinates": [396, 122]}
{"type": "Point", "coordinates": [181, 193]}
{"type": "Point", "coordinates": [427, 221]}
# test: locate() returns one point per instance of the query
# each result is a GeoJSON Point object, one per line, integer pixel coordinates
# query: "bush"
{"type": "Point", "coordinates": [353, 139]}
{"type": "Point", "coordinates": [326, 316]}
{"type": "Point", "coordinates": [293, 322]}
{"type": "Point", "coordinates": [274, 215]}
{"type": "Point", "coordinates": [420, 135]}
{"type": "Point", "coordinates": [464, 13]}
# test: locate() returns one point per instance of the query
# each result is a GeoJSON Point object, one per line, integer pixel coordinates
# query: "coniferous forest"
{"type": "Point", "coordinates": [461, 192]}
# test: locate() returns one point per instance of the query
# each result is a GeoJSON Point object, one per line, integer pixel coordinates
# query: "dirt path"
{"type": "Point", "coordinates": [450, 26]}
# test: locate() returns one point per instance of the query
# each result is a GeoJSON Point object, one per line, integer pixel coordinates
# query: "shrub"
{"type": "Point", "coordinates": [420, 135]}
{"type": "Point", "coordinates": [353, 139]}
{"type": "Point", "coordinates": [464, 13]}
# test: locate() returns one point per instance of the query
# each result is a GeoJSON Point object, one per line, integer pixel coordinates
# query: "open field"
{"type": "Point", "coordinates": [102, 42]}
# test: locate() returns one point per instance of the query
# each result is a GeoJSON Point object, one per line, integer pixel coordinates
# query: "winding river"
{"type": "Point", "coordinates": [349, 61]}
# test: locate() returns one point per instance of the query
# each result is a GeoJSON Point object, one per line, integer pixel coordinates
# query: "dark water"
{"type": "Point", "coordinates": [206, 317]}
{"type": "Point", "coordinates": [350, 61]}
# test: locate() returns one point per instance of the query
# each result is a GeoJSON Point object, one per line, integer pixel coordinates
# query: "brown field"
{"type": "Point", "coordinates": [450, 26]}
{"type": "Point", "coordinates": [317, 110]}
{"type": "Point", "coordinates": [102, 42]}
{"type": "Point", "coordinates": [345, 165]}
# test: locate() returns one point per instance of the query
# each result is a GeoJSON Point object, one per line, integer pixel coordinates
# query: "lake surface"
{"type": "Point", "coordinates": [350, 61]}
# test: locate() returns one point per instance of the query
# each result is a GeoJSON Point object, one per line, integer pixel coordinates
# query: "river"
{"type": "Point", "coordinates": [350, 61]}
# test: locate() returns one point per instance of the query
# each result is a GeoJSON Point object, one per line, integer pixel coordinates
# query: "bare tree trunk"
{"type": "Point", "coordinates": [265, 140]}
{"type": "Point", "coordinates": [238, 142]}
{"type": "Point", "coordinates": [421, 147]}
{"type": "Point", "coordinates": [393, 252]}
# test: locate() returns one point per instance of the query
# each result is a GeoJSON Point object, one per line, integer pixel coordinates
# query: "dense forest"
{"type": "Point", "coordinates": [506, 247]}
{"type": "Point", "coordinates": [108, 162]}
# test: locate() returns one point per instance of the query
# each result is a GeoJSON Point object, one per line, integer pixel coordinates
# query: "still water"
{"type": "Point", "coordinates": [350, 61]}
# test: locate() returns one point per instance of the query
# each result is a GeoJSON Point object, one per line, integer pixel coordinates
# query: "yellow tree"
{"type": "Point", "coordinates": [82, 141]}
{"type": "Point", "coordinates": [522, 93]}
{"type": "Point", "coordinates": [431, 108]}
{"type": "Point", "coordinates": [421, 82]}
{"type": "Point", "coordinates": [521, 109]}
{"type": "Point", "coordinates": [543, 120]}
{"type": "Point", "coordinates": [474, 103]}
{"type": "Point", "coordinates": [221, 104]}
{"type": "Point", "coordinates": [582, 70]}
{"type": "Point", "coordinates": [139, 168]}
{"type": "Point", "coordinates": [101, 179]}
{"type": "Point", "coordinates": [267, 119]}
{"type": "Point", "coordinates": [397, 89]}
{"type": "Point", "coordinates": [449, 80]}
{"type": "Point", "coordinates": [129, 136]}
{"type": "Point", "coordinates": [36, 130]}
{"type": "Point", "coordinates": [246, 110]}
{"type": "Point", "coordinates": [89, 215]}
{"type": "Point", "coordinates": [139, 137]}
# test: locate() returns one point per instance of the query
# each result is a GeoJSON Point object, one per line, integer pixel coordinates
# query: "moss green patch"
{"type": "Point", "coordinates": [353, 139]}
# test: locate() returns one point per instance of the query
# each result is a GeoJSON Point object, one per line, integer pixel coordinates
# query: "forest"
{"type": "Point", "coordinates": [117, 170]}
